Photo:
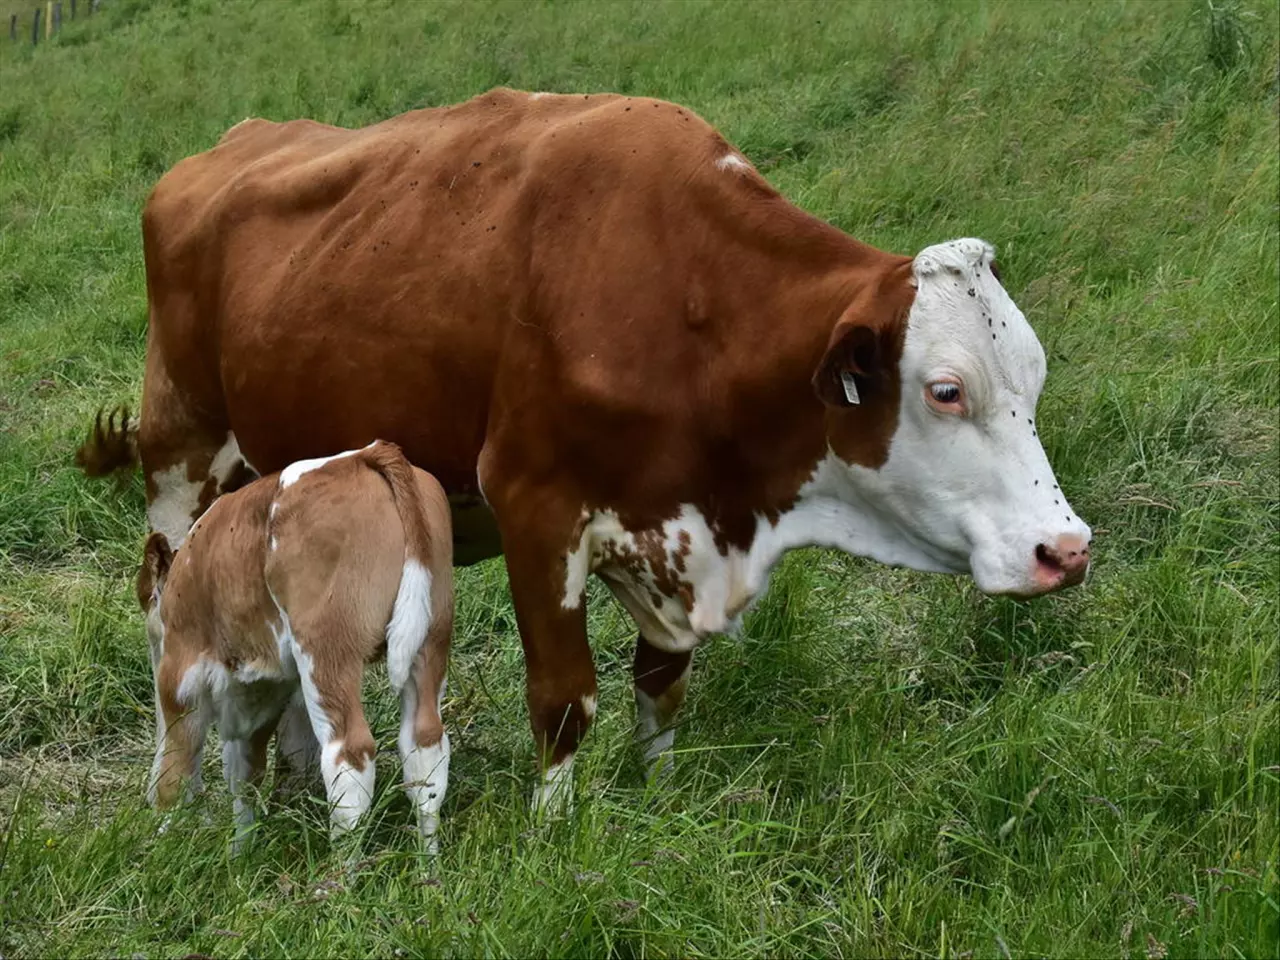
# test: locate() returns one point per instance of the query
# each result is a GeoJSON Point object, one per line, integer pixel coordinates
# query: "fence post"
{"type": "Point", "coordinates": [57, 16]}
{"type": "Point", "coordinates": [13, 26]}
{"type": "Point", "coordinates": [35, 27]}
{"type": "Point", "coordinates": [48, 19]}
{"type": "Point", "coordinates": [73, 9]}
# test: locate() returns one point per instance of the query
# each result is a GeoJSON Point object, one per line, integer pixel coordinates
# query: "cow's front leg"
{"type": "Point", "coordinates": [661, 681]}
{"type": "Point", "coordinates": [550, 603]}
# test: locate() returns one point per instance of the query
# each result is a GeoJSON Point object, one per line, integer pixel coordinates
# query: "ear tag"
{"type": "Point", "coordinates": [850, 387]}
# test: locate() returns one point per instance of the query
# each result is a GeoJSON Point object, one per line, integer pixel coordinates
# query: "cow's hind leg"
{"type": "Point", "coordinates": [661, 681]}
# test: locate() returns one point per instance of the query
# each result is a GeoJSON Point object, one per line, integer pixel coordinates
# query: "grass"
{"type": "Point", "coordinates": [883, 764]}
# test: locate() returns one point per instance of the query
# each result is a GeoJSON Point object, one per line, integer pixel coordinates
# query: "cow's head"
{"type": "Point", "coordinates": [931, 419]}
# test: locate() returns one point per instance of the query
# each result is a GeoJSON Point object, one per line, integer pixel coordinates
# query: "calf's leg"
{"type": "Point", "coordinates": [424, 744]}
{"type": "Point", "coordinates": [180, 735]}
{"type": "Point", "coordinates": [297, 753]}
{"type": "Point", "coordinates": [331, 690]}
{"type": "Point", "coordinates": [244, 761]}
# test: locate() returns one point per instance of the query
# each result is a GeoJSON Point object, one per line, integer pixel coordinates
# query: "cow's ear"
{"type": "Point", "coordinates": [157, 557]}
{"type": "Point", "coordinates": [850, 370]}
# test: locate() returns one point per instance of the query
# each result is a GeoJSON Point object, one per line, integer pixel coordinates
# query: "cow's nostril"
{"type": "Point", "coordinates": [1046, 556]}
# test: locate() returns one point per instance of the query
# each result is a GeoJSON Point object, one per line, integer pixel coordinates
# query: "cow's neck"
{"type": "Point", "coordinates": [699, 570]}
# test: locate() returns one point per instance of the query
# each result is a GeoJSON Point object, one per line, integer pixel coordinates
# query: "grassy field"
{"type": "Point", "coordinates": [883, 764]}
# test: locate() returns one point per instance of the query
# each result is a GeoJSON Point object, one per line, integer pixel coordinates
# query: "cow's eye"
{"type": "Point", "coordinates": [946, 396]}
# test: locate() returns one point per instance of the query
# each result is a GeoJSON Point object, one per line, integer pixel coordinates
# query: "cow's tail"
{"type": "Point", "coordinates": [412, 613]}
{"type": "Point", "coordinates": [111, 447]}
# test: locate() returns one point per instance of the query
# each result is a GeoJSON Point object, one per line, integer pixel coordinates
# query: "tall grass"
{"type": "Point", "coordinates": [883, 763]}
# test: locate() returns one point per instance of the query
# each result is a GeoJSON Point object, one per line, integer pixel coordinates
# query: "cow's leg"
{"type": "Point", "coordinates": [424, 744]}
{"type": "Point", "coordinates": [548, 588]}
{"type": "Point", "coordinates": [244, 761]}
{"type": "Point", "coordinates": [661, 680]}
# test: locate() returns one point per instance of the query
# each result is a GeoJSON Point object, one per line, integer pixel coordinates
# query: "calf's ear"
{"type": "Point", "coordinates": [157, 557]}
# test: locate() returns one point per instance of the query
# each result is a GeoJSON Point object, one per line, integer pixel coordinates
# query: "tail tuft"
{"type": "Point", "coordinates": [111, 447]}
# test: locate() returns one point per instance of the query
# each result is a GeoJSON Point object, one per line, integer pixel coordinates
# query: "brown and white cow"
{"type": "Point", "coordinates": [620, 350]}
{"type": "Point", "coordinates": [280, 594]}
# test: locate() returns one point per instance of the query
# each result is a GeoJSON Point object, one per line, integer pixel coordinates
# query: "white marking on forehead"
{"type": "Point", "coordinates": [731, 161]}
{"type": "Point", "coordinates": [290, 474]}
{"type": "Point", "coordinates": [963, 318]}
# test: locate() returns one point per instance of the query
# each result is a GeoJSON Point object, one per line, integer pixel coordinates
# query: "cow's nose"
{"type": "Point", "coordinates": [1063, 561]}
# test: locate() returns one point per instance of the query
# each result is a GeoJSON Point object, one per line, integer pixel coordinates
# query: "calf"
{"type": "Point", "coordinates": [280, 594]}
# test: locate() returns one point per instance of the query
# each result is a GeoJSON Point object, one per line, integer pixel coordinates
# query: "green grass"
{"type": "Point", "coordinates": [884, 764]}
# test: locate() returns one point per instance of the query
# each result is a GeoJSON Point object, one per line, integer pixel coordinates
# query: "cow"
{"type": "Point", "coordinates": [620, 350]}
{"type": "Point", "coordinates": [279, 595]}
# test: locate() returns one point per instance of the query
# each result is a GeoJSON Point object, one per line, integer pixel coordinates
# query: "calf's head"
{"type": "Point", "coordinates": [157, 558]}
{"type": "Point", "coordinates": [931, 421]}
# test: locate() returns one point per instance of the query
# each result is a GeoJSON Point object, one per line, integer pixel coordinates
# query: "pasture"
{"type": "Point", "coordinates": [882, 763]}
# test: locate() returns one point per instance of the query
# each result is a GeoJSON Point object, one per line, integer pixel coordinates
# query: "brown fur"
{"type": "Point", "coordinates": [562, 298]}
{"type": "Point", "coordinates": [330, 549]}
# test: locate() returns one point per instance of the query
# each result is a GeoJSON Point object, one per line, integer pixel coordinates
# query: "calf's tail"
{"type": "Point", "coordinates": [411, 615]}
{"type": "Point", "coordinates": [111, 447]}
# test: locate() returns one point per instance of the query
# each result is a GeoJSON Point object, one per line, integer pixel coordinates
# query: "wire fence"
{"type": "Point", "coordinates": [46, 20]}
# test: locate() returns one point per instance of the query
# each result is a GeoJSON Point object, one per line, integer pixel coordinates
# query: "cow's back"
{"type": "Point", "coordinates": [511, 273]}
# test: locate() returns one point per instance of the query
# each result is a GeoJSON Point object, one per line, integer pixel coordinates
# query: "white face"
{"type": "Point", "coordinates": [967, 481]}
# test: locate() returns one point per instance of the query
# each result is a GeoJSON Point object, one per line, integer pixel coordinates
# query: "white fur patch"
{"type": "Point", "coordinates": [173, 510]}
{"type": "Point", "coordinates": [350, 790]}
{"type": "Point", "coordinates": [410, 618]}
{"type": "Point", "coordinates": [731, 161]}
{"type": "Point", "coordinates": [589, 706]}
{"type": "Point", "coordinates": [204, 678]}
{"type": "Point", "coordinates": [555, 793]}
{"type": "Point", "coordinates": [290, 474]}
{"type": "Point", "coordinates": [426, 777]}
{"type": "Point", "coordinates": [175, 504]}
{"type": "Point", "coordinates": [426, 769]}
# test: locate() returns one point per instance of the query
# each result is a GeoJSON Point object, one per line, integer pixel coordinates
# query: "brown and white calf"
{"type": "Point", "coordinates": [280, 595]}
